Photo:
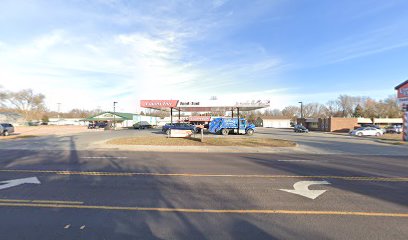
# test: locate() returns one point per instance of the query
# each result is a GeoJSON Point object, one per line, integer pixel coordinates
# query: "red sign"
{"type": "Point", "coordinates": [158, 103]}
{"type": "Point", "coordinates": [199, 118]}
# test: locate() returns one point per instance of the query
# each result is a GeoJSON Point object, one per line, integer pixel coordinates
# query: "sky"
{"type": "Point", "coordinates": [88, 54]}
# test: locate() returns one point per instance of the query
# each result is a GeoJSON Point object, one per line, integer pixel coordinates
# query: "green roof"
{"type": "Point", "coordinates": [120, 115]}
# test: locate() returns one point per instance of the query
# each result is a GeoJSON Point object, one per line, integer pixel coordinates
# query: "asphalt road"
{"type": "Point", "coordinates": [97, 194]}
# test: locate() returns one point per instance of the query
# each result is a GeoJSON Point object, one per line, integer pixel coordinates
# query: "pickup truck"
{"type": "Point", "coordinates": [226, 126]}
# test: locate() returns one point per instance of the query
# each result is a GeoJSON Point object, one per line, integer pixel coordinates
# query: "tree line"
{"type": "Point", "coordinates": [31, 106]}
{"type": "Point", "coordinates": [343, 106]}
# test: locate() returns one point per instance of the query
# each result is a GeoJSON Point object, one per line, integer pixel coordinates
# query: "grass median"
{"type": "Point", "coordinates": [223, 141]}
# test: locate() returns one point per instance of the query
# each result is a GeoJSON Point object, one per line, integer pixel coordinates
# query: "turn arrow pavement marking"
{"type": "Point", "coordinates": [302, 188]}
{"type": "Point", "coordinates": [16, 182]}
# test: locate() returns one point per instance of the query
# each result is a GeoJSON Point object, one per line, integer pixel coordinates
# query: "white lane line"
{"type": "Point", "coordinates": [104, 157]}
{"type": "Point", "coordinates": [82, 227]}
{"type": "Point", "coordinates": [67, 226]}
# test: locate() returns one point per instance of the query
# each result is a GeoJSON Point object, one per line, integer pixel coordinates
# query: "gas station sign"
{"type": "Point", "coordinates": [158, 103]}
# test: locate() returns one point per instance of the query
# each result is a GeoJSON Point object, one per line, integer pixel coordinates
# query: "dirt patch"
{"type": "Point", "coordinates": [163, 141]}
{"type": "Point", "coordinates": [18, 137]}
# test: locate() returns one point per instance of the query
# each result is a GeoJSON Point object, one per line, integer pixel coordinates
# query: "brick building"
{"type": "Point", "coordinates": [332, 124]}
{"type": "Point", "coordinates": [337, 124]}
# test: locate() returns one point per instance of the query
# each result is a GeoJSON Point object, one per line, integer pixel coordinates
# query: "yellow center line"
{"type": "Point", "coordinates": [209, 211]}
{"type": "Point", "coordinates": [130, 174]}
{"type": "Point", "coordinates": [39, 201]}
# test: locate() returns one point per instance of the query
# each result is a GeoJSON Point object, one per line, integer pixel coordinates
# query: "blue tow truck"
{"type": "Point", "coordinates": [226, 126]}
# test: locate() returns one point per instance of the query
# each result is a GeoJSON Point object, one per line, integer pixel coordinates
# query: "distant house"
{"type": "Point", "coordinates": [273, 122]}
{"type": "Point", "coordinates": [11, 117]}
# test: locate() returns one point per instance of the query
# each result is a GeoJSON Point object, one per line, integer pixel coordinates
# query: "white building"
{"type": "Point", "coordinates": [275, 122]}
{"type": "Point", "coordinates": [67, 121]}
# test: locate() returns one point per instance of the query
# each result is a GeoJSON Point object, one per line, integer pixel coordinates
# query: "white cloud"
{"type": "Point", "coordinates": [152, 59]}
{"type": "Point", "coordinates": [219, 3]}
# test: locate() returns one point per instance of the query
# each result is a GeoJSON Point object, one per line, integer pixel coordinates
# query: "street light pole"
{"type": "Point", "coordinates": [59, 105]}
{"type": "Point", "coordinates": [114, 115]}
{"type": "Point", "coordinates": [301, 110]}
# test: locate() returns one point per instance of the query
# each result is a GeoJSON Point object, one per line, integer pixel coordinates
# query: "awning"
{"type": "Point", "coordinates": [204, 106]}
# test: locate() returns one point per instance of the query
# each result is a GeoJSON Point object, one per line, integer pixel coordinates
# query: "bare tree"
{"type": "Point", "coordinates": [347, 104]}
{"type": "Point", "coordinates": [27, 102]}
{"type": "Point", "coordinates": [3, 97]}
{"type": "Point", "coordinates": [292, 112]}
{"type": "Point", "coordinates": [332, 109]}
{"type": "Point", "coordinates": [273, 112]}
{"type": "Point", "coordinates": [389, 108]}
{"type": "Point", "coordinates": [370, 108]}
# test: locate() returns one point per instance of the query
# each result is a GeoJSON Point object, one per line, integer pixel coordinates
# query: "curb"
{"type": "Point", "coordinates": [192, 149]}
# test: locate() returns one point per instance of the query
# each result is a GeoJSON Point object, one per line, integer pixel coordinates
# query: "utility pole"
{"type": "Point", "coordinates": [114, 115]}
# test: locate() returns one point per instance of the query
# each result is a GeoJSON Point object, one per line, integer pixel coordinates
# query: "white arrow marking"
{"type": "Point", "coordinates": [302, 188]}
{"type": "Point", "coordinates": [16, 182]}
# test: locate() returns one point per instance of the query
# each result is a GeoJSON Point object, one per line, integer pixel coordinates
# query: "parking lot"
{"type": "Point", "coordinates": [81, 138]}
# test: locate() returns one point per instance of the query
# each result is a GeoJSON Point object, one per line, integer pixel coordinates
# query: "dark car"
{"type": "Point", "coordinates": [394, 129]}
{"type": "Point", "coordinates": [180, 126]}
{"type": "Point", "coordinates": [300, 129]}
{"type": "Point", "coordinates": [6, 129]}
{"type": "Point", "coordinates": [142, 125]}
{"type": "Point", "coordinates": [97, 125]}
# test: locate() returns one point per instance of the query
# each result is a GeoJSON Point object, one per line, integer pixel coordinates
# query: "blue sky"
{"type": "Point", "coordinates": [86, 54]}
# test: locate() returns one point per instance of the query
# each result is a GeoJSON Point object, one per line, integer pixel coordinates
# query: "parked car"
{"type": "Point", "coordinates": [97, 125]}
{"type": "Point", "coordinates": [300, 129]}
{"type": "Point", "coordinates": [180, 126]}
{"type": "Point", "coordinates": [375, 126]}
{"type": "Point", "coordinates": [6, 129]}
{"type": "Point", "coordinates": [366, 131]}
{"type": "Point", "coordinates": [142, 125]}
{"type": "Point", "coordinates": [394, 129]}
{"type": "Point", "coordinates": [31, 124]}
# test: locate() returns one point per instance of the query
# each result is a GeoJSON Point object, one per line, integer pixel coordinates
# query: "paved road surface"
{"type": "Point", "coordinates": [136, 195]}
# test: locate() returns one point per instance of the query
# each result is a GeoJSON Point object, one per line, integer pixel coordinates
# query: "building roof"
{"type": "Point", "coordinates": [105, 116]}
{"type": "Point", "coordinates": [204, 106]}
{"type": "Point", "coordinates": [274, 118]}
{"type": "Point", "coordinates": [402, 84]}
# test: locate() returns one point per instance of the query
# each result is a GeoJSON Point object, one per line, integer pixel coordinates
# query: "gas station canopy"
{"type": "Point", "coordinates": [204, 106]}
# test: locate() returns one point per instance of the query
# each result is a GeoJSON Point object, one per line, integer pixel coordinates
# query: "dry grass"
{"type": "Point", "coordinates": [391, 137]}
{"type": "Point", "coordinates": [163, 141]}
{"type": "Point", "coordinates": [394, 139]}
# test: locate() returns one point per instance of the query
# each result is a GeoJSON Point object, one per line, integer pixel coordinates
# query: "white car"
{"type": "Point", "coordinates": [367, 131]}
